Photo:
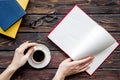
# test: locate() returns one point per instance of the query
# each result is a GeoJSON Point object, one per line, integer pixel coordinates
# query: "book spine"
{"type": "Point", "coordinates": [119, 42]}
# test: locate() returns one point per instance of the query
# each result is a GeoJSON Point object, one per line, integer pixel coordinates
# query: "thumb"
{"type": "Point", "coordinates": [29, 52]}
{"type": "Point", "coordinates": [68, 59]}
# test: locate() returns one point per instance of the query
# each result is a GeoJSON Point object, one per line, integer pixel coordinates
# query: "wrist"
{"type": "Point", "coordinates": [9, 71]}
{"type": "Point", "coordinates": [12, 67]}
{"type": "Point", "coordinates": [59, 76]}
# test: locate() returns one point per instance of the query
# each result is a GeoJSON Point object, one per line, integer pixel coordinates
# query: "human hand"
{"type": "Point", "coordinates": [69, 67]}
{"type": "Point", "coordinates": [20, 58]}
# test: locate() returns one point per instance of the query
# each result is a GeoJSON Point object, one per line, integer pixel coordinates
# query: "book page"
{"type": "Point", "coordinates": [79, 36]}
{"type": "Point", "coordinates": [72, 30]}
{"type": "Point", "coordinates": [99, 58]}
{"type": "Point", "coordinates": [95, 42]}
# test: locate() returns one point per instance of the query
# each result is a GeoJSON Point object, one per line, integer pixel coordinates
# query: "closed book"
{"type": "Point", "coordinates": [10, 12]}
{"type": "Point", "coordinates": [12, 31]}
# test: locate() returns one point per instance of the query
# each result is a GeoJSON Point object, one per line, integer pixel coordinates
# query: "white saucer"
{"type": "Point", "coordinates": [45, 62]}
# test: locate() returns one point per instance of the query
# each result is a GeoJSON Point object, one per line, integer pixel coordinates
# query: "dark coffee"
{"type": "Point", "coordinates": [38, 56]}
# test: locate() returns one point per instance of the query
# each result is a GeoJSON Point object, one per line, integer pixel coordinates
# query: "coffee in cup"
{"type": "Point", "coordinates": [38, 56]}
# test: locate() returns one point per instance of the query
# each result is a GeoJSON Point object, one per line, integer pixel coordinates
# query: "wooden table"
{"type": "Point", "coordinates": [104, 12]}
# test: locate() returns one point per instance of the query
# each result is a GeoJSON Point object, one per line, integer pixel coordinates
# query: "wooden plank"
{"type": "Point", "coordinates": [101, 2]}
{"type": "Point", "coordinates": [48, 74]}
{"type": "Point", "coordinates": [98, 75]}
{"type": "Point", "coordinates": [104, 12]}
{"type": "Point", "coordinates": [10, 44]}
{"type": "Point", "coordinates": [63, 6]}
{"type": "Point", "coordinates": [109, 22]}
{"type": "Point", "coordinates": [113, 62]}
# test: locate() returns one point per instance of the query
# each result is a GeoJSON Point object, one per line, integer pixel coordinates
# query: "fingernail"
{"type": "Point", "coordinates": [91, 57]}
{"type": "Point", "coordinates": [27, 41]}
{"type": "Point", "coordinates": [31, 49]}
{"type": "Point", "coordinates": [36, 44]}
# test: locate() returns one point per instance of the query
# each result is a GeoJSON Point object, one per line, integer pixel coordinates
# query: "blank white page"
{"type": "Point", "coordinates": [80, 36]}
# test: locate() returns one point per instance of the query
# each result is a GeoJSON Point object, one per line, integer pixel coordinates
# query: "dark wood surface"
{"type": "Point", "coordinates": [104, 12]}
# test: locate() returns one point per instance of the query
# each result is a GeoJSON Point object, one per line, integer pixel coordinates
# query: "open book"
{"type": "Point", "coordinates": [79, 36]}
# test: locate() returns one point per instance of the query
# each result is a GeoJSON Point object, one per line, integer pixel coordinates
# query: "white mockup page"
{"type": "Point", "coordinates": [79, 36]}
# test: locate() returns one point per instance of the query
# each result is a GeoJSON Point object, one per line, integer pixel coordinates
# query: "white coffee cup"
{"type": "Point", "coordinates": [40, 57]}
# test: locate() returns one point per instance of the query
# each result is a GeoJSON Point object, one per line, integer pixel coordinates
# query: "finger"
{"type": "Point", "coordinates": [84, 69]}
{"type": "Point", "coordinates": [85, 65]}
{"type": "Point", "coordinates": [77, 70]}
{"type": "Point", "coordinates": [87, 62]}
{"type": "Point", "coordinates": [29, 52]}
{"type": "Point", "coordinates": [26, 45]}
{"type": "Point", "coordinates": [82, 61]}
{"type": "Point", "coordinates": [68, 60]}
{"type": "Point", "coordinates": [91, 57]}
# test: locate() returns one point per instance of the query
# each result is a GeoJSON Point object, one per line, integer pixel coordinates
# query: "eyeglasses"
{"type": "Point", "coordinates": [50, 17]}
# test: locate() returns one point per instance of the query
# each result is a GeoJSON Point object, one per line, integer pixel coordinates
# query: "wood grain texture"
{"type": "Point", "coordinates": [47, 74]}
{"type": "Point", "coordinates": [10, 44]}
{"type": "Point", "coordinates": [109, 21]}
{"type": "Point", "coordinates": [104, 12]}
{"type": "Point", "coordinates": [41, 75]}
{"type": "Point", "coordinates": [57, 57]}
{"type": "Point", "coordinates": [63, 6]}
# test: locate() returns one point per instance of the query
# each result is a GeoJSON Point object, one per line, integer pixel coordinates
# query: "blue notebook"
{"type": "Point", "coordinates": [10, 12]}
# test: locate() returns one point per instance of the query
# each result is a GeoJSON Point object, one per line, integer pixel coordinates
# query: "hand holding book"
{"type": "Point", "coordinates": [79, 36]}
{"type": "Point", "coordinates": [69, 67]}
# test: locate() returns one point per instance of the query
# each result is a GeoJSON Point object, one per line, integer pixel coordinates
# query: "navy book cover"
{"type": "Point", "coordinates": [10, 12]}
